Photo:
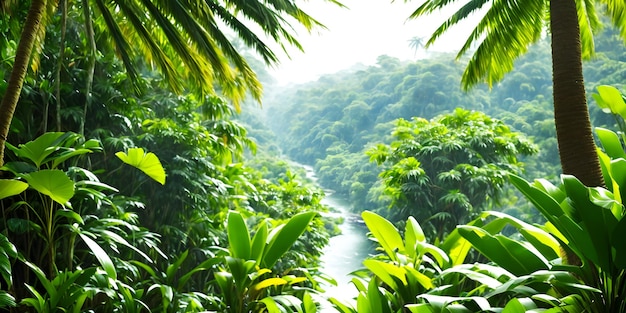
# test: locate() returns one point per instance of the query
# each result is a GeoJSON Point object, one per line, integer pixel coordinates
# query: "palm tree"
{"type": "Point", "coordinates": [186, 40]}
{"type": "Point", "coordinates": [32, 27]}
{"type": "Point", "coordinates": [505, 32]}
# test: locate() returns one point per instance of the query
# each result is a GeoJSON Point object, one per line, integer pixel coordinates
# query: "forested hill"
{"type": "Point", "coordinates": [331, 122]}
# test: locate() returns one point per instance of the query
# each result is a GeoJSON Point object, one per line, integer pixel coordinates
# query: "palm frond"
{"type": "Point", "coordinates": [503, 34]}
{"type": "Point", "coordinates": [616, 9]}
{"type": "Point", "coordinates": [122, 46]}
{"type": "Point", "coordinates": [589, 24]}
{"type": "Point", "coordinates": [201, 67]}
{"type": "Point", "coordinates": [508, 28]}
{"type": "Point", "coordinates": [463, 13]}
{"type": "Point", "coordinates": [150, 48]}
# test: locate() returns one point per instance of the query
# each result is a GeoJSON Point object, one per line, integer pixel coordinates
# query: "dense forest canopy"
{"type": "Point", "coordinates": [133, 182]}
{"type": "Point", "coordinates": [329, 123]}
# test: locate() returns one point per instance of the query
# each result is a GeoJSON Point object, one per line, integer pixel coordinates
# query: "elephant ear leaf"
{"type": "Point", "coordinates": [146, 162]}
{"type": "Point", "coordinates": [11, 187]}
{"type": "Point", "coordinates": [53, 183]}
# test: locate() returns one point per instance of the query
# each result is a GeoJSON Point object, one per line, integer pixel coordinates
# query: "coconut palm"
{"type": "Point", "coordinates": [186, 40]}
{"type": "Point", "coordinates": [505, 32]}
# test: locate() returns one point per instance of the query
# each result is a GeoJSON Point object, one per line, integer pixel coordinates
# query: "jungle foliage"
{"type": "Point", "coordinates": [332, 122]}
{"type": "Point", "coordinates": [138, 201]}
{"type": "Point", "coordinates": [153, 194]}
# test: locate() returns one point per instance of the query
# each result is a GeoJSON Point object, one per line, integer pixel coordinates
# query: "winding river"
{"type": "Point", "coordinates": [346, 252]}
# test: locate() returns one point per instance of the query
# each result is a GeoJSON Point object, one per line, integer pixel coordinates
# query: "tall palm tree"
{"type": "Point", "coordinates": [186, 40]}
{"type": "Point", "coordinates": [508, 28]}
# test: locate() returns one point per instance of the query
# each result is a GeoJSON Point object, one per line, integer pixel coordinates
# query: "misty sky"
{"type": "Point", "coordinates": [368, 29]}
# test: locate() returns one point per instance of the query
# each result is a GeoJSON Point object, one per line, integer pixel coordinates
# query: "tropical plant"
{"type": "Point", "coordinates": [246, 280]}
{"type": "Point", "coordinates": [52, 205]}
{"type": "Point", "coordinates": [445, 170]}
{"type": "Point", "coordinates": [413, 275]}
{"type": "Point", "coordinates": [405, 269]}
{"type": "Point", "coordinates": [505, 32]}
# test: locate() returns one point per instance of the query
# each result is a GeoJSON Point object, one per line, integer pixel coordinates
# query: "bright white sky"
{"type": "Point", "coordinates": [359, 34]}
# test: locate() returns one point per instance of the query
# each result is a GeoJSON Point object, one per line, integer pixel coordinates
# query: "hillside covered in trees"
{"type": "Point", "coordinates": [333, 122]}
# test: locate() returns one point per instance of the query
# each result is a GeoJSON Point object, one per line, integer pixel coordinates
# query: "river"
{"type": "Point", "coordinates": [344, 253]}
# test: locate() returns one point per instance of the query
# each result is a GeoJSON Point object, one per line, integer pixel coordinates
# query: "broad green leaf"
{"type": "Point", "coordinates": [146, 162]}
{"type": "Point", "coordinates": [606, 199]}
{"type": "Point", "coordinates": [546, 204]}
{"type": "Point", "coordinates": [516, 257]}
{"type": "Point", "coordinates": [610, 142]}
{"type": "Point", "coordinates": [242, 271]}
{"type": "Point", "coordinates": [514, 306]}
{"type": "Point", "coordinates": [387, 272]}
{"type": "Point", "coordinates": [363, 304]}
{"type": "Point", "coordinates": [412, 235]}
{"type": "Point", "coordinates": [598, 223]}
{"type": "Point", "coordinates": [479, 277]}
{"type": "Point", "coordinates": [308, 305]}
{"type": "Point", "coordinates": [415, 277]}
{"type": "Point", "coordinates": [553, 191]}
{"type": "Point", "coordinates": [146, 267]}
{"type": "Point", "coordinates": [358, 284]}
{"type": "Point", "coordinates": [271, 306]}
{"type": "Point", "coordinates": [609, 97]}
{"type": "Point", "coordinates": [19, 168]}
{"type": "Point", "coordinates": [384, 232]}
{"type": "Point", "coordinates": [542, 241]}
{"type": "Point", "coordinates": [420, 308]}
{"type": "Point", "coordinates": [617, 171]}
{"type": "Point", "coordinates": [37, 150]}
{"type": "Point", "coordinates": [374, 297]}
{"type": "Point", "coordinates": [53, 183]}
{"type": "Point", "coordinates": [545, 243]}
{"type": "Point", "coordinates": [443, 260]}
{"type": "Point", "coordinates": [550, 300]}
{"type": "Point", "coordinates": [270, 282]}
{"type": "Point", "coordinates": [11, 187]}
{"type": "Point", "coordinates": [605, 166]}
{"type": "Point", "coordinates": [457, 247]}
{"type": "Point", "coordinates": [101, 255]}
{"type": "Point", "coordinates": [293, 279]}
{"type": "Point", "coordinates": [238, 236]}
{"type": "Point", "coordinates": [282, 241]}
{"type": "Point", "coordinates": [258, 242]}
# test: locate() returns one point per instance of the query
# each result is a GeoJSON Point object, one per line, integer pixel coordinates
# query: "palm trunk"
{"type": "Point", "coordinates": [20, 67]}
{"type": "Point", "coordinates": [577, 149]}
